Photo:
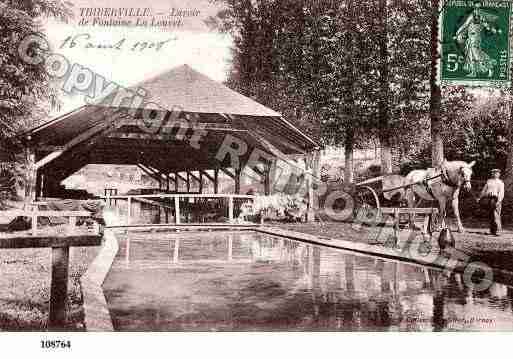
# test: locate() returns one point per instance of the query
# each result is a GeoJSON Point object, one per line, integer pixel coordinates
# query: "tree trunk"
{"type": "Point", "coordinates": [437, 152]}
{"type": "Point", "coordinates": [350, 105]}
{"type": "Point", "coordinates": [30, 178]}
{"type": "Point", "coordinates": [348, 148]}
{"type": "Point", "coordinates": [508, 175]}
{"type": "Point", "coordinates": [384, 125]}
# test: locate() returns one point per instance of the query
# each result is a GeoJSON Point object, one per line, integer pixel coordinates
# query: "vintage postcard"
{"type": "Point", "coordinates": [255, 166]}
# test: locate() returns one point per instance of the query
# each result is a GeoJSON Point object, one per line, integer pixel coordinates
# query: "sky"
{"type": "Point", "coordinates": [192, 43]}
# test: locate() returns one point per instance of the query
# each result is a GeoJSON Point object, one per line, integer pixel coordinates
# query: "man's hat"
{"type": "Point", "coordinates": [495, 170]}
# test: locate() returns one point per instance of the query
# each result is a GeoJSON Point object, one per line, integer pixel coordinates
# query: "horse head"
{"type": "Point", "coordinates": [463, 174]}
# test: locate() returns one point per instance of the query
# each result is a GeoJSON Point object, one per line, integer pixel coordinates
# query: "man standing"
{"type": "Point", "coordinates": [493, 191]}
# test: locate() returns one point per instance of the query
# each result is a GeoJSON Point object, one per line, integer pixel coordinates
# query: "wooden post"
{"type": "Point", "coordinates": [59, 288]}
{"type": "Point", "coordinates": [177, 210]}
{"type": "Point", "coordinates": [238, 172]}
{"type": "Point", "coordinates": [72, 223]}
{"type": "Point", "coordinates": [175, 251]}
{"type": "Point", "coordinates": [33, 221]}
{"type": "Point", "coordinates": [39, 181]}
{"type": "Point", "coordinates": [43, 183]}
{"type": "Point", "coordinates": [216, 181]}
{"type": "Point", "coordinates": [267, 180]}
{"type": "Point", "coordinates": [188, 182]}
{"type": "Point", "coordinates": [129, 210]}
{"type": "Point", "coordinates": [30, 177]}
{"type": "Point", "coordinates": [200, 182]}
{"type": "Point", "coordinates": [230, 247]}
{"type": "Point", "coordinates": [396, 225]}
{"type": "Point", "coordinates": [230, 208]}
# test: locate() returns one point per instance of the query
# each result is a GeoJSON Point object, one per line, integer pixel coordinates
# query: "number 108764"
{"type": "Point", "coordinates": [55, 344]}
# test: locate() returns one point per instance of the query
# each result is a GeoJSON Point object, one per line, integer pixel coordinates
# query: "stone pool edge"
{"type": "Point", "coordinates": [96, 313]}
{"type": "Point", "coordinates": [373, 250]}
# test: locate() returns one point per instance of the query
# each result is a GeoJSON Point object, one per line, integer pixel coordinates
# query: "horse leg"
{"type": "Point", "coordinates": [456, 209]}
{"type": "Point", "coordinates": [410, 197]}
{"type": "Point", "coordinates": [442, 206]}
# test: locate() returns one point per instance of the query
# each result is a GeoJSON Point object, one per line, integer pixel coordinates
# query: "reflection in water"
{"type": "Point", "coordinates": [246, 281]}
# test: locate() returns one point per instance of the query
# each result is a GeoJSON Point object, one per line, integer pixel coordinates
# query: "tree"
{"type": "Point", "coordinates": [435, 99]}
{"type": "Point", "coordinates": [25, 88]}
{"type": "Point", "coordinates": [26, 92]}
{"type": "Point", "coordinates": [385, 139]}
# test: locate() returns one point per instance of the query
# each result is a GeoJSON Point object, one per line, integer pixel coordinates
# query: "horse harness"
{"type": "Point", "coordinates": [445, 180]}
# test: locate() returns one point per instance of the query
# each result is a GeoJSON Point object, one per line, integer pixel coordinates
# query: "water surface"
{"type": "Point", "coordinates": [244, 281]}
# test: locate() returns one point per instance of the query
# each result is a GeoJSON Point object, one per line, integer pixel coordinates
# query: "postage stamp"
{"type": "Point", "coordinates": [475, 43]}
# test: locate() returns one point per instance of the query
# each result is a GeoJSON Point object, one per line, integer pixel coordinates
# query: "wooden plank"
{"type": "Point", "coordinates": [189, 226]}
{"type": "Point", "coordinates": [21, 213]}
{"type": "Point", "coordinates": [59, 288]}
{"type": "Point", "coordinates": [184, 195]}
{"type": "Point", "coordinates": [46, 241]}
{"type": "Point", "coordinates": [404, 210]}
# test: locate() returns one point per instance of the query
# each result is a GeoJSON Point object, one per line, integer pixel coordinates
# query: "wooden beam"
{"type": "Point", "coordinates": [148, 172]}
{"type": "Point", "coordinates": [49, 148]}
{"type": "Point", "coordinates": [54, 241]}
{"type": "Point", "coordinates": [194, 176]}
{"type": "Point", "coordinates": [227, 172]}
{"type": "Point", "coordinates": [267, 181]}
{"type": "Point", "coordinates": [98, 130]}
{"type": "Point", "coordinates": [205, 173]}
{"type": "Point", "coordinates": [209, 126]}
{"type": "Point", "coordinates": [181, 177]}
{"type": "Point", "coordinates": [238, 172]}
{"type": "Point", "coordinates": [216, 180]}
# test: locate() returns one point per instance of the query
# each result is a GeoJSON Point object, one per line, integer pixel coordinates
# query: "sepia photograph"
{"type": "Point", "coordinates": [284, 166]}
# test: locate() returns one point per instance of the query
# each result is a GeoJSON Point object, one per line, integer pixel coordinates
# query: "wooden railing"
{"type": "Point", "coordinates": [60, 244]}
{"type": "Point", "coordinates": [34, 214]}
{"type": "Point", "coordinates": [176, 205]}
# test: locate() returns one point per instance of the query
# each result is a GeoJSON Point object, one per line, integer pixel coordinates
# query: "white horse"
{"type": "Point", "coordinates": [435, 184]}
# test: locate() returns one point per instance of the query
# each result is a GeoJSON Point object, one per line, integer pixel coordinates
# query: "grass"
{"type": "Point", "coordinates": [25, 288]}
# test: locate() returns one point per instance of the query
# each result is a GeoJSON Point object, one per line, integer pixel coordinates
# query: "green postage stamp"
{"type": "Point", "coordinates": [475, 43]}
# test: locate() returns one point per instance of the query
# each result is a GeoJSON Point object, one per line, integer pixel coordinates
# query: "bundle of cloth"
{"type": "Point", "coordinates": [95, 207]}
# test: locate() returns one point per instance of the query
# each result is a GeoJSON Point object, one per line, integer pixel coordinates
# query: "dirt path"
{"type": "Point", "coordinates": [494, 251]}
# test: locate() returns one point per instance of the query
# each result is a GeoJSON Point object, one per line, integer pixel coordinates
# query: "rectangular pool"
{"type": "Point", "coordinates": [246, 281]}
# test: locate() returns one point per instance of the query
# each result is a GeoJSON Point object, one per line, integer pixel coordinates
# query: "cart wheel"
{"type": "Point", "coordinates": [366, 203]}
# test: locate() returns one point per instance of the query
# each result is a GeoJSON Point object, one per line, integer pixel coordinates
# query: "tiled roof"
{"type": "Point", "coordinates": [191, 91]}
